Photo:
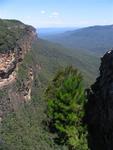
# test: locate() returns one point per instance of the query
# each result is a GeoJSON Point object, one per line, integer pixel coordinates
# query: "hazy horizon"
{"type": "Point", "coordinates": [77, 27]}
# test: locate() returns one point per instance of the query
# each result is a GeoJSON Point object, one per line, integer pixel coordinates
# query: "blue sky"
{"type": "Point", "coordinates": [58, 13]}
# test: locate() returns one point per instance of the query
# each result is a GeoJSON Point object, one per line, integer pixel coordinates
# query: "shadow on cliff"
{"type": "Point", "coordinates": [99, 107]}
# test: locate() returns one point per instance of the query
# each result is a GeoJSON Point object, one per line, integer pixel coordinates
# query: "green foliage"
{"type": "Point", "coordinates": [65, 108]}
{"type": "Point", "coordinates": [23, 130]}
{"type": "Point", "coordinates": [10, 33]}
{"type": "Point", "coordinates": [2, 93]}
{"type": "Point", "coordinates": [9, 37]}
{"type": "Point", "coordinates": [53, 56]}
{"type": "Point", "coordinates": [96, 39]}
{"type": "Point", "coordinates": [22, 73]}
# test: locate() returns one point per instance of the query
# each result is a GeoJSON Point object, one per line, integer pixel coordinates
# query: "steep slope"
{"type": "Point", "coordinates": [22, 105]}
{"type": "Point", "coordinates": [20, 67]}
{"type": "Point", "coordinates": [12, 32]}
{"type": "Point", "coordinates": [20, 121]}
{"type": "Point", "coordinates": [14, 48]}
{"type": "Point", "coordinates": [99, 108]}
{"type": "Point", "coordinates": [52, 57]}
{"type": "Point", "coordinates": [94, 39]}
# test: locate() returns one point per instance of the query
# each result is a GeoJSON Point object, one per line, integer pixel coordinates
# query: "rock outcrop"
{"type": "Point", "coordinates": [99, 108]}
{"type": "Point", "coordinates": [11, 96]}
{"type": "Point", "coordinates": [26, 86]}
{"type": "Point", "coordinates": [10, 60]}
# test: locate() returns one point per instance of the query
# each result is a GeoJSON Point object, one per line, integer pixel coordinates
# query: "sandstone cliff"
{"type": "Point", "coordinates": [11, 60]}
{"type": "Point", "coordinates": [99, 109]}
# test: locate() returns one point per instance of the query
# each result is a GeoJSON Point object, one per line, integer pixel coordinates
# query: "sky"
{"type": "Point", "coordinates": [58, 13]}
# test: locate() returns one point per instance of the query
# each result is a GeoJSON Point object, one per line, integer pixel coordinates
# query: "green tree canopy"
{"type": "Point", "coordinates": [66, 98]}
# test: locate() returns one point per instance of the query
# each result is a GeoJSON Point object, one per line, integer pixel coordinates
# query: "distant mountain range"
{"type": "Point", "coordinates": [95, 39]}
{"type": "Point", "coordinates": [50, 31]}
{"type": "Point", "coordinates": [53, 56]}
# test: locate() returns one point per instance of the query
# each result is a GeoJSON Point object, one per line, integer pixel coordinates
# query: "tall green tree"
{"type": "Point", "coordinates": [66, 98]}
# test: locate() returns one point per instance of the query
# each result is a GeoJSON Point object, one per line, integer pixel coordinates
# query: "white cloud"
{"type": "Point", "coordinates": [43, 11]}
{"type": "Point", "coordinates": [51, 16]}
{"type": "Point", "coordinates": [55, 14]}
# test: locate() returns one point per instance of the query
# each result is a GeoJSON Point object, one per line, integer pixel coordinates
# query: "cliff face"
{"type": "Point", "coordinates": [11, 60]}
{"type": "Point", "coordinates": [99, 109]}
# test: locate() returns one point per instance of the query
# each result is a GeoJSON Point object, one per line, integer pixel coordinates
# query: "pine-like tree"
{"type": "Point", "coordinates": [65, 110]}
